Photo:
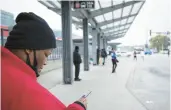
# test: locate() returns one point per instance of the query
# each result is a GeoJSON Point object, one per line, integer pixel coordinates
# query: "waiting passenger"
{"type": "Point", "coordinates": [77, 61]}
{"type": "Point", "coordinates": [28, 45]}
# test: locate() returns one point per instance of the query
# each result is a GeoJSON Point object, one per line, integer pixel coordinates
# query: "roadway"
{"type": "Point", "coordinates": [150, 82]}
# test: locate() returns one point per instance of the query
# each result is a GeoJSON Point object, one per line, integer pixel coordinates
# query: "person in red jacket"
{"type": "Point", "coordinates": [28, 45]}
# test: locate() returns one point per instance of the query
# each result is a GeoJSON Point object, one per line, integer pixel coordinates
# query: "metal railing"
{"type": "Point", "coordinates": [56, 54]}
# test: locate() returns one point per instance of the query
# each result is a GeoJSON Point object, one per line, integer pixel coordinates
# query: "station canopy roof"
{"type": "Point", "coordinates": [110, 18]}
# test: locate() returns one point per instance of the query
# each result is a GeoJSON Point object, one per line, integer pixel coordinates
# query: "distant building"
{"type": "Point", "coordinates": [58, 34]}
{"type": "Point", "coordinates": [6, 21]}
{"type": "Point", "coordinates": [6, 18]}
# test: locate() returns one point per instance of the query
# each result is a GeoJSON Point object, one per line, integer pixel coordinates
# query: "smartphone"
{"type": "Point", "coordinates": [86, 95]}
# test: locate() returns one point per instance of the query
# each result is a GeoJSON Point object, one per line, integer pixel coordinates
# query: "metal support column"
{"type": "Point", "coordinates": [104, 43]}
{"type": "Point", "coordinates": [67, 42]}
{"type": "Point", "coordinates": [94, 49]}
{"type": "Point", "coordinates": [98, 40]}
{"type": "Point", "coordinates": [86, 44]}
{"type": "Point", "coordinates": [101, 43]}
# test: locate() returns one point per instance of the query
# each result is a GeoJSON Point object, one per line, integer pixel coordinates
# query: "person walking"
{"type": "Point", "coordinates": [135, 55]}
{"type": "Point", "coordinates": [28, 45]}
{"type": "Point", "coordinates": [114, 61]}
{"type": "Point", "coordinates": [168, 53]}
{"type": "Point", "coordinates": [103, 55]}
{"type": "Point", "coordinates": [77, 61]}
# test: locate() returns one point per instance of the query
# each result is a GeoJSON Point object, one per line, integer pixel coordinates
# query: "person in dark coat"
{"type": "Point", "coordinates": [168, 52]}
{"type": "Point", "coordinates": [77, 61]}
{"type": "Point", "coordinates": [28, 45]}
{"type": "Point", "coordinates": [135, 55]}
{"type": "Point", "coordinates": [103, 55]}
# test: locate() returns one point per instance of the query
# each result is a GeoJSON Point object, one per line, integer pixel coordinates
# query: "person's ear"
{"type": "Point", "coordinates": [28, 51]}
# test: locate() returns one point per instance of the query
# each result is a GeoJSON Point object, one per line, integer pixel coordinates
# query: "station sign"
{"type": "Point", "coordinates": [84, 4]}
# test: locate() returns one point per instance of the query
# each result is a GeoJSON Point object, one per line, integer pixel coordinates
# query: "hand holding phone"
{"type": "Point", "coordinates": [83, 99]}
{"type": "Point", "coordinates": [86, 95]}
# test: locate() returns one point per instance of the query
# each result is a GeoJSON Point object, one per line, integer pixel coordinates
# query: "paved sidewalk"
{"type": "Point", "coordinates": [108, 90]}
{"type": "Point", "coordinates": [52, 65]}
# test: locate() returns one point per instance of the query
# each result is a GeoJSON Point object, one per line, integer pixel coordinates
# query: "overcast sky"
{"type": "Point", "coordinates": [155, 15]}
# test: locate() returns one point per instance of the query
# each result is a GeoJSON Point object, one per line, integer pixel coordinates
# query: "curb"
{"type": "Point", "coordinates": [44, 72]}
{"type": "Point", "coordinates": [130, 91]}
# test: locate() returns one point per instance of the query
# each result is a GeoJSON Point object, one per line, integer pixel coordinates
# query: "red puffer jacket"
{"type": "Point", "coordinates": [20, 90]}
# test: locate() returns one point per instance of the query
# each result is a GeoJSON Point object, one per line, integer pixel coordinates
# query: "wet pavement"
{"type": "Point", "coordinates": [150, 82]}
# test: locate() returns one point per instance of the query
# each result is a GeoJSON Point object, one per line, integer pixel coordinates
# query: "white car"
{"type": "Point", "coordinates": [123, 54]}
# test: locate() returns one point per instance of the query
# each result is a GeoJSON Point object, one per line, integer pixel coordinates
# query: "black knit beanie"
{"type": "Point", "coordinates": [31, 32]}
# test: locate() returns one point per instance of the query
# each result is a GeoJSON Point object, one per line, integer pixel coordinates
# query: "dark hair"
{"type": "Point", "coordinates": [76, 47]}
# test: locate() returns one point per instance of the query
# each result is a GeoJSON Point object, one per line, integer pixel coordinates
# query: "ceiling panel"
{"type": "Point", "coordinates": [106, 32]}
{"type": "Point", "coordinates": [110, 25]}
{"type": "Point", "coordinates": [116, 29]}
{"type": "Point", "coordinates": [123, 21]}
{"type": "Point", "coordinates": [57, 3]}
{"type": "Point", "coordinates": [130, 19]}
{"type": "Point", "coordinates": [122, 27]}
{"type": "Point", "coordinates": [108, 16]}
{"type": "Point", "coordinates": [49, 5]}
{"type": "Point", "coordinates": [105, 3]}
{"type": "Point", "coordinates": [136, 7]}
{"type": "Point", "coordinates": [99, 18]}
{"type": "Point", "coordinates": [117, 13]}
{"type": "Point", "coordinates": [116, 2]}
{"type": "Point", "coordinates": [127, 26]}
{"type": "Point", "coordinates": [126, 10]}
{"type": "Point", "coordinates": [116, 23]}
{"type": "Point", "coordinates": [76, 19]}
{"type": "Point", "coordinates": [103, 27]}
{"type": "Point", "coordinates": [122, 31]}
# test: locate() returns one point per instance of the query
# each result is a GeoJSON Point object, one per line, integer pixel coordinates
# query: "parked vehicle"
{"type": "Point", "coordinates": [148, 52]}
{"type": "Point", "coordinates": [123, 54]}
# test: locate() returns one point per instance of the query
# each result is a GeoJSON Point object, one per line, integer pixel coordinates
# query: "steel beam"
{"type": "Point", "coordinates": [111, 8]}
{"type": "Point", "coordinates": [112, 32]}
{"type": "Point", "coordinates": [117, 26]}
{"type": "Point", "coordinates": [113, 38]}
{"type": "Point", "coordinates": [110, 36]}
{"type": "Point", "coordinates": [53, 4]}
{"type": "Point", "coordinates": [114, 20]}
